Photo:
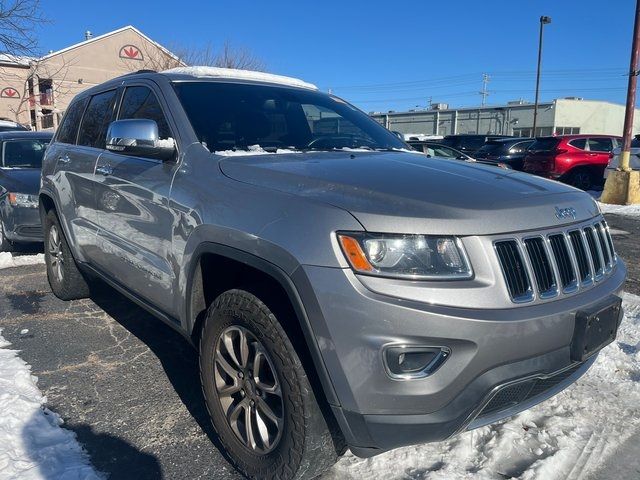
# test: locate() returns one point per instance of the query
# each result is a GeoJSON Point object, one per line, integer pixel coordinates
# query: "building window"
{"type": "Point", "coordinates": [521, 132]}
{"type": "Point", "coordinates": [567, 130]}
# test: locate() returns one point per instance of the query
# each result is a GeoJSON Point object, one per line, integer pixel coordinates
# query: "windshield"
{"type": "Point", "coordinates": [236, 116]}
{"type": "Point", "coordinates": [23, 153]}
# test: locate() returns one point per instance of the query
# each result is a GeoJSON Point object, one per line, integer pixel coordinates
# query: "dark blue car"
{"type": "Point", "coordinates": [20, 163]}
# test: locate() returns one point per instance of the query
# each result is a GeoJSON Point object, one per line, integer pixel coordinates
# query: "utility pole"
{"type": "Point", "coordinates": [623, 185]}
{"type": "Point", "coordinates": [631, 94]}
{"type": "Point", "coordinates": [484, 93]}
{"type": "Point", "coordinates": [543, 21]}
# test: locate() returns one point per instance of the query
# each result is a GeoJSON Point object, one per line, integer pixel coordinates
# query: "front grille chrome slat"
{"type": "Point", "coordinates": [514, 271]}
{"type": "Point", "coordinates": [554, 263]}
{"type": "Point", "coordinates": [601, 233]}
{"type": "Point", "coordinates": [595, 253]}
{"type": "Point", "coordinates": [542, 269]}
{"type": "Point", "coordinates": [564, 262]}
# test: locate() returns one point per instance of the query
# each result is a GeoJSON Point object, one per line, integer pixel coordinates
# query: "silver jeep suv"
{"type": "Point", "coordinates": [342, 290]}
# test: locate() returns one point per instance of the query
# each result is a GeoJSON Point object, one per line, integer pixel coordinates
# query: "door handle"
{"type": "Point", "coordinates": [64, 159]}
{"type": "Point", "coordinates": [105, 170]}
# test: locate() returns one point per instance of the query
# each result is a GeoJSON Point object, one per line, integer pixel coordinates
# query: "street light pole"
{"type": "Point", "coordinates": [543, 21]}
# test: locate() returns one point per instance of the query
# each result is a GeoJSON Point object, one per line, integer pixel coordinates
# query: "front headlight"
{"type": "Point", "coordinates": [23, 200]}
{"type": "Point", "coordinates": [416, 257]}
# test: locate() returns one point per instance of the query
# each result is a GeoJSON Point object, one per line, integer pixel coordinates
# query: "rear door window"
{"type": "Point", "coordinates": [96, 119]}
{"type": "Point", "coordinates": [600, 144]}
{"type": "Point", "coordinates": [580, 143]}
{"type": "Point", "coordinates": [68, 131]}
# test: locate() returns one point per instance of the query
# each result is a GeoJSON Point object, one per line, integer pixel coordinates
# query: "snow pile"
{"type": "Point", "coordinates": [32, 443]}
{"type": "Point", "coordinates": [7, 260]}
{"type": "Point", "coordinates": [217, 72]}
{"type": "Point", "coordinates": [254, 150]}
{"type": "Point", "coordinates": [627, 210]}
{"type": "Point", "coordinates": [562, 438]}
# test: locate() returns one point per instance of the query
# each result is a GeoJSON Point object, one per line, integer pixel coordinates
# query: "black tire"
{"type": "Point", "coordinates": [306, 447]}
{"type": "Point", "coordinates": [580, 178]}
{"type": "Point", "coordinates": [67, 282]}
{"type": "Point", "coordinates": [5, 243]}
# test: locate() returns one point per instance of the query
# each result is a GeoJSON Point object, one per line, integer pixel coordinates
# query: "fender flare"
{"type": "Point", "coordinates": [287, 285]}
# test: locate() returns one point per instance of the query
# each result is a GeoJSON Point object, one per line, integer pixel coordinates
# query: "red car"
{"type": "Point", "coordinates": [578, 160]}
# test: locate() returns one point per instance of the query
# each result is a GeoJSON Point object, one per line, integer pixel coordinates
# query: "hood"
{"type": "Point", "coordinates": [412, 193]}
{"type": "Point", "coordinates": [20, 180]}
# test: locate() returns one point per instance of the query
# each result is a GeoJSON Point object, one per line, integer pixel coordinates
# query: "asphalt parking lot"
{"type": "Point", "coordinates": [127, 384]}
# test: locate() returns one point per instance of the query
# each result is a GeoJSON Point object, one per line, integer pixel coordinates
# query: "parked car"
{"type": "Point", "coordinates": [579, 160]}
{"type": "Point", "coordinates": [508, 151]}
{"type": "Point", "coordinates": [7, 125]}
{"type": "Point", "coordinates": [634, 158]}
{"type": "Point", "coordinates": [341, 291]}
{"type": "Point", "coordinates": [20, 162]}
{"type": "Point", "coordinates": [468, 143]}
{"type": "Point", "coordinates": [434, 149]}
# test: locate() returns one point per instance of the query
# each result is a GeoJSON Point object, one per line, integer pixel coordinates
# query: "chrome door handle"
{"type": "Point", "coordinates": [105, 170]}
{"type": "Point", "coordinates": [65, 159]}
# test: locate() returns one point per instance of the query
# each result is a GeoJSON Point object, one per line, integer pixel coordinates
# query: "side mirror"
{"type": "Point", "coordinates": [398, 134]}
{"type": "Point", "coordinates": [139, 137]}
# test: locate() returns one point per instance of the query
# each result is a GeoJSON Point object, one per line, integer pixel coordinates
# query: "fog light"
{"type": "Point", "coordinates": [407, 362]}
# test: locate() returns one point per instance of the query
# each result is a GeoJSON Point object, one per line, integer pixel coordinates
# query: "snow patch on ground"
{"type": "Point", "coordinates": [7, 260]}
{"type": "Point", "coordinates": [626, 210]}
{"type": "Point", "coordinates": [562, 438]}
{"type": "Point", "coordinates": [32, 443]}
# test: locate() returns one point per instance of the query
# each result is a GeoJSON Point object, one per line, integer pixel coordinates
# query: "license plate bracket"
{"type": "Point", "coordinates": [595, 329]}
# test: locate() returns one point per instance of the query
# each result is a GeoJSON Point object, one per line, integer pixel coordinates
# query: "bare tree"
{"type": "Point", "coordinates": [18, 22]}
{"type": "Point", "coordinates": [235, 57]}
{"type": "Point", "coordinates": [226, 57]}
{"type": "Point", "coordinates": [32, 98]}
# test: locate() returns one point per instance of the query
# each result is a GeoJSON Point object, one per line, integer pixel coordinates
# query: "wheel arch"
{"type": "Point", "coordinates": [269, 283]}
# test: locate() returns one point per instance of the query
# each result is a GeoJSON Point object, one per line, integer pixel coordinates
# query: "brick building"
{"type": "Point", "coordinates": [36, 91]}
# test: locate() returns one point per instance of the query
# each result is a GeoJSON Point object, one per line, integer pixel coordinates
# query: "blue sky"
{"type": "Point", "coordinates": [390, 55]}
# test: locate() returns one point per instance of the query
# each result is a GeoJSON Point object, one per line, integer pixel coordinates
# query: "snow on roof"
{"type": "Point", "coordinates": [217, 72]}
{"type": "Point", "coordinates": [22, 61]}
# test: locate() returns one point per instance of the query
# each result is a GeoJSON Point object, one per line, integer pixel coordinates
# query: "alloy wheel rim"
{"type": "Point", "coordinates": [55, 253]}
{"type": "Point", "coordinates": [248, 390]}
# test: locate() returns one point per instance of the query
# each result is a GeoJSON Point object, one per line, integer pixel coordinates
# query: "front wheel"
{"type": "Point", "coordinates": [66, 281]}
{"type": "Point", "coordinates": [258, 395]}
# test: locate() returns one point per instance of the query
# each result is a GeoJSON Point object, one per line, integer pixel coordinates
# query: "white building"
{"type": "Point", "coordinates": [561, 116]}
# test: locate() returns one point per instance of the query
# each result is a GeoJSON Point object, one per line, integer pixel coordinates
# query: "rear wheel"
{"type": "Point", "coordinates": [580, 178]}
{"type": "Point", "coordinates": [66, 281]}
{"type": "Point", "coordinates": [258, 395]}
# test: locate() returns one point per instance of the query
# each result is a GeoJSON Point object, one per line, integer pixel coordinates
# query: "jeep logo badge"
{"type": "Point", "coordinates": [569, 212]}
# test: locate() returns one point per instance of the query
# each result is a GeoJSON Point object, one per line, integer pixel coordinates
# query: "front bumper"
{"type": "Point", "coordinates": [490, 350]}
{"type": "Point", "coordinates": [22, 224]}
